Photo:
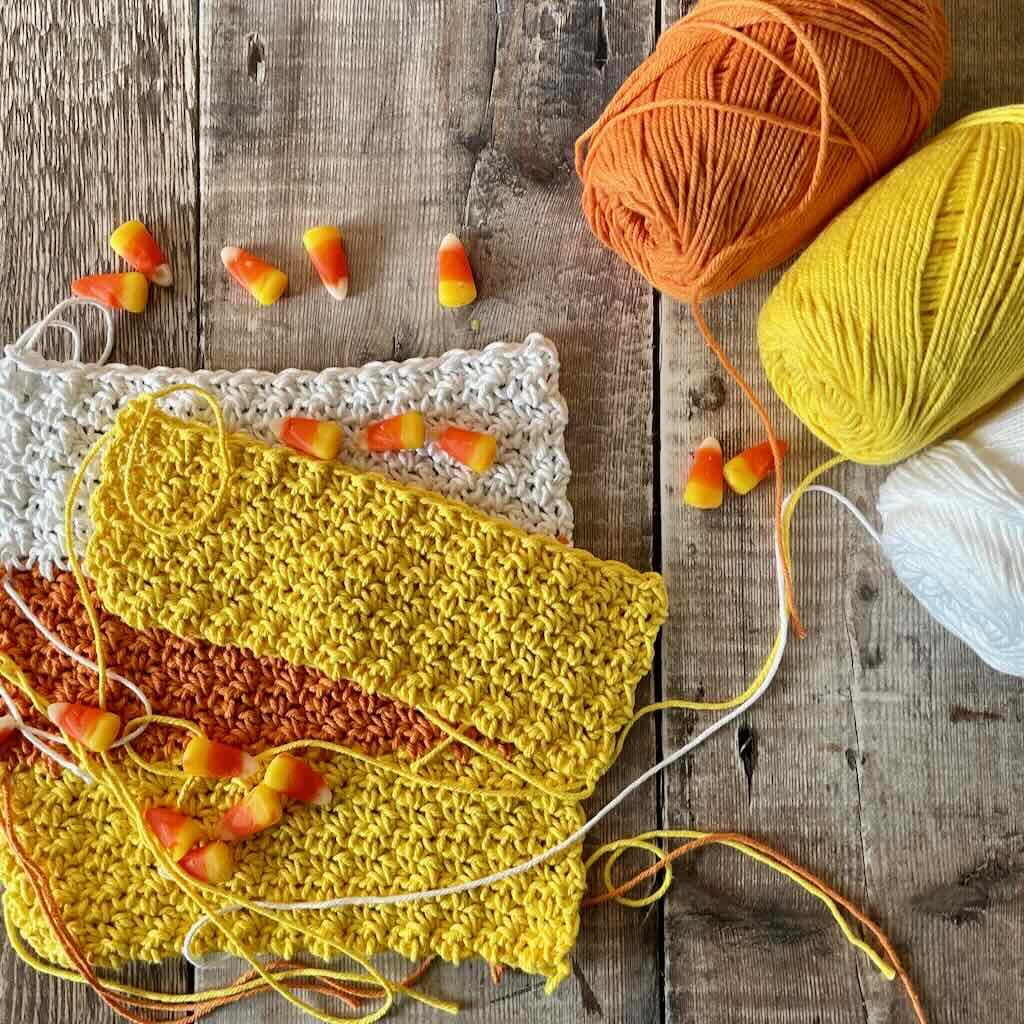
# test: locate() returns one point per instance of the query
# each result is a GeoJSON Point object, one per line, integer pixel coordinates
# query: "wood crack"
{"type": "Point", "coordinates": [488, 113]}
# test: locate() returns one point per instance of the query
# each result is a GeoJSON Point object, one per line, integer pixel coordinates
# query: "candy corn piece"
{"type": "Point", "coordinates": [177, 833]}
{"type": "Point", "coordinates": [327, 254]}
{"type": "Point", "coordinates": [209, 760]}
{"type": "Point", "coordinates": [96, 730]}
{"type": "Point", "coordinates": [118, 291]}
{"type": "Point", "coordinates": [293, 777]}
{"type": "Point", "coordinates": [319, 438]}
{"type": "Point", "coordinates": [455, 284]}
{"type": "Point", "coordinates": [704, 484]}
{"type": "Point", "coordinates": [746, 470]}
{"type": "Point", "coordinates": [262, 281]}
{"type": "Point", "coordinates": [138, 248]}
{"type": "Point", "coordinates": [260, 809]}
{"type": "Point", "coordinates": [212, 863]}
{"type": "Point", "coordinates": [469, 447]}
{"type": "Point", "coordinates": [396, 433]}
{"type": "Point", "coordinates": [8, 727]}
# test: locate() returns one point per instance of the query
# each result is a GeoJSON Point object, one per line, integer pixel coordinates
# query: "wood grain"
{"type": "Point", "coordinates": [401, 123]}
{"type": "Point", "coordinates": [886, 756]}
{"type": "Point", "coordinates": [97, 108]}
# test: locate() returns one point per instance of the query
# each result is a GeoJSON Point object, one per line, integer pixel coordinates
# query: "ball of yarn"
{"type": "Point", "coordinates": [750, 125]}
{"type": "Point", "coordinates": [954, 531]}
{"type": "Point", "coordinates": [905, 317]}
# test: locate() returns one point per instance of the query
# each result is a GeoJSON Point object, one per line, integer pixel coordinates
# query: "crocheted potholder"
{"type": "Point", "coordinates": [468, 619]}
{"type": "Point", "coordinates": [256, 702]}
{"type": "Point", "coordinates": [51, 412]}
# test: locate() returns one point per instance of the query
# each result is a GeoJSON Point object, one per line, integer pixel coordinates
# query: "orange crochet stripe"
{"type": "Point", "coordinates": [232, 695]}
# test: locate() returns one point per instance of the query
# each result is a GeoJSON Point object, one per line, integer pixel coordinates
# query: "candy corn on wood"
{"type": "Point", "coordinates": [469, 447]}
{"type": "Point", "coordinates": [455, 284]}
{"type": "Point", "coordinates": [327, 254]}
{"type": "Point", "coordinates": [129, 292]}
{"type": "Point", "coordinates": [319, 438]}
{"type": "Point", "coordinates": [138, 248]}
{"type": "Point", "coordinates": [95, 729]}
{"type": "Point", "coordinates": [704, 485]}
{"type": "Point", "coordinates": [745, 471]}
{"type": "Point", "coordinates": [264, 282]}
{"type": "Point", "coordinates": [209, 760]}
{"type": "Point", "coordinates": [293, 777]}
{"type": "Point", "coordinates": [258, 810]}
{"type": "Point", "coordinates": [397, 433]}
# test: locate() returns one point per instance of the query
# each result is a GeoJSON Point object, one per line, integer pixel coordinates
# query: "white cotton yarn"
{"type": "Point", "coordinates": [52, 411]}
{"type": "Point", "coordinates": [954, 532]}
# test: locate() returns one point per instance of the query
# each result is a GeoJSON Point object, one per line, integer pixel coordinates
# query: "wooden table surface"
{"type": "Point", "coordinates": [886, 757]}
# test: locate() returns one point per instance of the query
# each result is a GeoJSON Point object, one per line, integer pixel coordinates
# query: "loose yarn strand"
{"type": "Point", "coordinates": [777, 457]}
{"type": "Point", "coordinates": [891, 967]}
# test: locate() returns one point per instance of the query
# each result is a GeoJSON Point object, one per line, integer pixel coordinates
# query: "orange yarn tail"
{"type": "Point", "coordinates": [781, 859]}
{"type": "Point", "coordinates": [186, 1011]}
{"type": "Point", "coordinates": [777, 455]}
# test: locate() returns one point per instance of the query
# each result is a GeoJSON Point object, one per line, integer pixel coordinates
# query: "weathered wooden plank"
{"type": "Point", "coordinates": [942, 799]}
{"type": "Point", "coordinates": [886, 756]}
{"type": "Point", "coordinates": [737, 938]}
{"type": "Point", "coordinates": [402, 122]}
{"type": "Point", "coordinates": [97, 111]}
{"type": "Point", "coordinates": [97, 105]}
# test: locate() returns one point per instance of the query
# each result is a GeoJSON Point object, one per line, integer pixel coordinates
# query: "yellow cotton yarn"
{"type": "Point", "coordinates": [905, 317]}
{"type": "Point", "coordinates": [381, 835]}
{"type": "Point", "coordinates": [472, 621]}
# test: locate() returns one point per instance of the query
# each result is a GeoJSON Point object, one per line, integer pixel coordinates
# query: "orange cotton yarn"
{"type": "Point", "coordinates": [750, 126]}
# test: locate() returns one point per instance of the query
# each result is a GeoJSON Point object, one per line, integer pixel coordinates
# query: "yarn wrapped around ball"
{"type": "Point", "coordinates": [953, 530]}
{"type": "Point", "coordinates": [750, 126]}
{"type": "Point", "coordinates": [905, 317]}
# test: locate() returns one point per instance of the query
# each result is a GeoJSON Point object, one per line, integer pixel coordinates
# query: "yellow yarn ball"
{"type": "Point", "coordinates": [905, 317]}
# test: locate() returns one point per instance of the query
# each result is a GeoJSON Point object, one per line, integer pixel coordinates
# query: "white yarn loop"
{"type": "Point", "coordinates": [30, 336]}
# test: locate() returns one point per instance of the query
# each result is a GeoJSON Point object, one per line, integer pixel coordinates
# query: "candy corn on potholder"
{"type": "Point", "coordinates": [52, 411]}
{"type": "Point", "coordinates": [473, 677]}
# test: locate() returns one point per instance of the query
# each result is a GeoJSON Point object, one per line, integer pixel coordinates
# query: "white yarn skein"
{"type": "Point", "coordinates": [954, 532]}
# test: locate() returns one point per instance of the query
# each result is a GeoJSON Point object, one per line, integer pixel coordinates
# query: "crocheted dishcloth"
{"type": "Point", "coordinates": [51, 412]}
{"type": "Point", "coordinates": [235, 697]}
{"type": "Point", "coordinates": [380, 835]}
{"type": "Point", "coordinates": [359, 577]}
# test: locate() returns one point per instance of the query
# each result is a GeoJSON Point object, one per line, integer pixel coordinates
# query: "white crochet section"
{"type": "Point", "coordinates": [51, 413]}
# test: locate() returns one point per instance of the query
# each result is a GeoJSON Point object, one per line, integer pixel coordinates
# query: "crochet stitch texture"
{"type": "Point", "coordinates": [232, 695]}
{"type": "Point", "coordinates": [51, 412]}
{"type": "Point", "coordinates": [362, 578]}
{"type": "Point", "coordinates": [380, 835]}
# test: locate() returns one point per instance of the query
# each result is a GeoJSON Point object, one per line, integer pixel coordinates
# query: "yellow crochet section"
{"type": "Point", "coordinates": [407, 594]}
{"type": "Point", "coordinates": [381, 835]}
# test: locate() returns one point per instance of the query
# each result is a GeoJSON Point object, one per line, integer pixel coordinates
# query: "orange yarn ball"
{"type": "Point", "coordinates": [709, 167]}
